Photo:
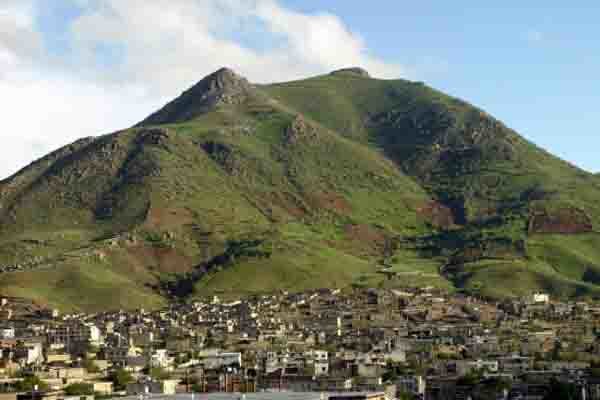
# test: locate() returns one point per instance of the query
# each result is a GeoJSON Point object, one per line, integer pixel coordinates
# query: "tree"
{"type": "Point", "coordinates": [120, 378]}
{"type": "Point", "coordinates": [79, 389]}
{"type": "Point", "coordinates": [556, 351]}
{"type": "Point", "coordinates": [390, 375]}
{"type": "Point", "coordinates": [28, 383]}
{"type": "Point", "coordinates": [472, 377]}
{"type": "Point", "coordinates": [197, 388]}
{"type": "Point", "coordinates": [405, 396]}
{"type": "Point", "coordinates": [562, 391]}
{"type": "Point", "coordinates": [159, 373]}
{"type": "Point", "coordinates": [90, 366]}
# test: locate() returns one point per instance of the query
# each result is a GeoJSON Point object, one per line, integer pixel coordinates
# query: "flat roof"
{"type": "Point", "coordinates": [250, 396]}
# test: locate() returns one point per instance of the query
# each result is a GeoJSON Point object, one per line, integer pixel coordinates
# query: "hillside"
{"type": "Point", "coordinates": [235, 188]}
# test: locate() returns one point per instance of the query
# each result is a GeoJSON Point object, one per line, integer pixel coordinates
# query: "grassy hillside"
{"type": "Point", "coordinates": [234, 188]}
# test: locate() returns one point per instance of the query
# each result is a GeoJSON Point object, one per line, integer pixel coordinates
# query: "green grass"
{"type": "Point", "coordinates": [500, 279]}
{"type": "Point", "coordinates": [576, 257]}
{"type": "Point", "coordinates": [90, 287]}
{"type": "Point", "coordinates": [368, 155]}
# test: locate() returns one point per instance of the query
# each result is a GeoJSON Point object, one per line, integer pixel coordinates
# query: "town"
{"type": "Point", "coordinates": [406, 344]}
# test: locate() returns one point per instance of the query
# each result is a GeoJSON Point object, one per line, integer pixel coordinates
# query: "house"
{"type": "Point", "coordinates": [438, 388]}
{"type": "Point", "coordinates": [515, 365]}
{"type": "Point", "coordinates": [75, 334]}
{"type": "Point", "coordinates": [57, 357]}
{"type": "Point", "coordinates": [358, 396]}
{"type": "Point", "coordinates": [160, 358]}
{"type": "Point", "coordinates": [118, 355]}
{"type": "Point", "coordinates": [102, 387]}
{"type": "Point", "coordinates": [367, 369]}
{"type": "Point", "coordinates": [7, 332]}
{"type": "Point", "coordinates": [67, 373]}
{"type": "Point", "coordinates": [29, 353]}
{"type": "Point", "coordinates": [166, 387]}
{"type": "Point", "coordinates": [463, 367]}
{"type": "Point", "coordinates": [319, 360]}
{"type": "Point", "coordinates": [397, 354]}
{"type": "Point", "coordinates": [333, 384]}
{"type": "Point", "coordinates": [540, 298]}
{"type": "Point", "coordinates": [219, 360]}
{"type": "Point", "coordinates": [51, 395]}
{"type": "Point", "coordinates": [413, 384]}
{"type": "Point", "coordinates": [5, 314]}
{"type": "Point", "coordinates": [135, 363]}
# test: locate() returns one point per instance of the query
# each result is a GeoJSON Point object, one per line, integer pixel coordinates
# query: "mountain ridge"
{"type": "Point", "coordinates": [234, 188]}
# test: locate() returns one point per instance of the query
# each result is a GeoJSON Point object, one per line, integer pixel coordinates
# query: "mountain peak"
{"type": "Point", "coordinates": [223, 86]}
{"type": "Point", "coordinates": [358, 71]}
{"type": "Point", "coordinates": [225, 78]}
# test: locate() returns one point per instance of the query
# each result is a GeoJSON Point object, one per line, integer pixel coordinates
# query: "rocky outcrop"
{"type": "Point", "coordinates": [356, 71]}
{"type": "Point", "coordinates": [566, 220]}
{"type": "Point", "coordinates": [436, 214]}
{"type": "Point", "coordinates": [223, 87]}
{"type": "Point", "coordinates": [153, 136]}
{"type": "Point", "coordinates": [26, 265]}
{"type": "Point", "coordinates": [300, 130]}
{"type": "Point", "coordinates": [10, 186]}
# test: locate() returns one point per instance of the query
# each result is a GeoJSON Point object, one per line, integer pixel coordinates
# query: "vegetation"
{"type": "Point", "coordinates": [563, 391]}
{"type": "Point", "coordinates": [90, 366]}
{"type": "Point", "coordinates": [313, 183]}
{"type": "Point", "coordinates": [159, 373]}
{"type": "Point", "coordinates": [79, 389]}
{"type": "Point", "coordinates": [120, 378]}
{"type": "Point", "coordinates": [30, 383]}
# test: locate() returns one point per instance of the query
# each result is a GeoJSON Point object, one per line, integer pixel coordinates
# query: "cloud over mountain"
{"type": "Point", "coordinates": [123, 59]}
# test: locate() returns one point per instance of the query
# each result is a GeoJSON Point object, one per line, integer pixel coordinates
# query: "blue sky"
{"type": "Point", "coordinates": [88, 67]}
{"type": "Point", "coordinates": [532, 64]}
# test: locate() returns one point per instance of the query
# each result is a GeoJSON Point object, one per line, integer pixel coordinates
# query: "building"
{"type": "Point", "coordinates": [540, 298]}
{"type": "Point", "coordinates": [463, 367]}
{"type": "Point", "coordinates": [7, 332]}
{"type": "Point", "coordinates": [29, 353]}
{"type": "Point", "coordinates": [74, 334]}
{"type": "Point", "coordinates": [413, 384]}
{"type": "Point", "coordinates": [103, 387]}
{"type": "Point", "coordinates": [155, 387]}
{"type": "Point", "coordinates": [39, 396]}
{"type": "Point", "coordinates": [319, 360]}
{"type": "Point", "coordinates": [160, 358]}
{"type": "Point", "coordinates": [219, 360]}
{"type": "Point", "coordinates": [357, 396]}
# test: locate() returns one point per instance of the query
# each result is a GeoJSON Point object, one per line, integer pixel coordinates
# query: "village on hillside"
{"type": "Point", "coordinates": [405, 344]}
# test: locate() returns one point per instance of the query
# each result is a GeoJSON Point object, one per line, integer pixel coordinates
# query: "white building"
{"type": "Point", "coordinates": [540, 298]}
{"type": "Point", "coordinates": [30, 353]}
{"type": "Point", "coordinates": [167, 387]}
{"type": "Point", "coordinates": [317, 355]}
{"type": "Point", "coordinates": [160, 358]}
{"type": "Point", "coordinates": [7, 332]}
{"type": "Point", "coordinates": [321, 368]}
{"type": "Point", "coordinates": [218, 360]}
{"type": "Point", "coordinates": [465, 366]}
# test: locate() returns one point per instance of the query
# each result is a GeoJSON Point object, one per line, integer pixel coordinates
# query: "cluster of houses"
{"type": "Point", "coordinates": [412, 344]}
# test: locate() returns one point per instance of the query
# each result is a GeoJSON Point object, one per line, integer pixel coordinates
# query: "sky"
{"type": "Point", "coordinates": [78, 68]}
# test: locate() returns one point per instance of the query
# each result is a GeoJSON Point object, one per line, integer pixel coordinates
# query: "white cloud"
{"type": "Point", "coordinates": [163, 46]}
{"type": "Point", "coordinates": [321, 40]}
{"type": "Point", "coordinates": [19, 42]}
{"type": "Point", "coordinates": [44, 114]}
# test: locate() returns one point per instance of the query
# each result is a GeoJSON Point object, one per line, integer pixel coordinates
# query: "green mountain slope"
{"type": "Point", "coordinates": [236, 188]}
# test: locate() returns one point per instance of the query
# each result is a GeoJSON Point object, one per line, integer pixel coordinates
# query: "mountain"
{"type": "Point", "coordinates": [336, 180]}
